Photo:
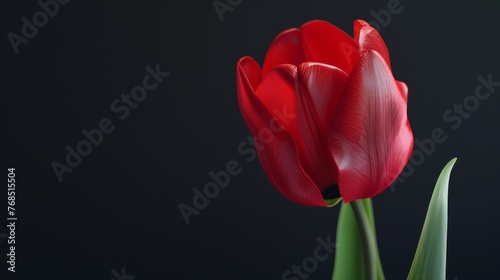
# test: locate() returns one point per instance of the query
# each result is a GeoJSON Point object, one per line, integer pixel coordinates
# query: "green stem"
{"type": "Point", "coordinates": [367, 240]}
{"type": "Point", "coordinates": [369, 211]}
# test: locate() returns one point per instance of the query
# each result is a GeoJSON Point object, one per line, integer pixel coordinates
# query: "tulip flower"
{"type": "Point", "coordinates": [348, 136]}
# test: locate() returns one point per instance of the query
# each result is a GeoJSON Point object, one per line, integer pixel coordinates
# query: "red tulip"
{"type": "Point", "coordinates": [329, 115]}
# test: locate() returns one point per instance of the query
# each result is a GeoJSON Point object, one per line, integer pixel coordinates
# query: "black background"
{"type": "Point", "coordinates": [119, 207]}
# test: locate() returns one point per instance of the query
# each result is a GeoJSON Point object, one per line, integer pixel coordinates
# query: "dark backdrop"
{"type": "Point", "coordinates": [119, 207]}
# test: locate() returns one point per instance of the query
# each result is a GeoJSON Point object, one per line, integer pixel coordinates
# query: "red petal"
{"type": "Point", "coordinates": [323, 84]}
{"type": "Point", "coordinates": [368, 38]}
{"type": "Point", "coordinates": [285, 49]}
{"type": "Point", "coordinates": [288, 90]}
{"type": "Point", "coordinates": [325, 43]}
{"type": "Point", "coordinates": [249, 72]}
{"type": "Point", "coordinates": [370, 137]}
{"type": "Point", "coordinates": [279, 155]}
{"type": "Point", "coordinates": [403, 89]}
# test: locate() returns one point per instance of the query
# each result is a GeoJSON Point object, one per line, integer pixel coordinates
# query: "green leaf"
{"type": "Point", "coordinates": [430, 258]}
{"type": "Point", "coordinates": [333, 201]}
{"type": "Point", "coordinates": [349, 260]}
